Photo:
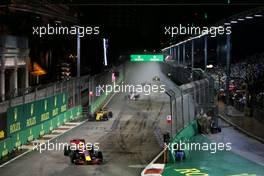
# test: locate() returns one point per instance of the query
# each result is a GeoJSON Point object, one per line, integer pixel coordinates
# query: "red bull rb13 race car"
{"type": "Point", "coordinates": [80, 155]}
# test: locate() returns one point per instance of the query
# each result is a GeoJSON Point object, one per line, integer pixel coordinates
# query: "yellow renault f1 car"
{"type": "Point", "coordinates": [103, 114]}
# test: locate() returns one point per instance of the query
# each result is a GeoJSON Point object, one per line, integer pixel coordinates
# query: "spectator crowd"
{"type": "Point", "coordinates": [246, 86]}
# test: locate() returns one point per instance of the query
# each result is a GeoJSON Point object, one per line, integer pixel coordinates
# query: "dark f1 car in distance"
{"type": "Point", "coordinates": [156, 78]}
{"type": "Point", "coordinates": [133, 96]}
{"type": "Point", "coordinates": [80, 155]}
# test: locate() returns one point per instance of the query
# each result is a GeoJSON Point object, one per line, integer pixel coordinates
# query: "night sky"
{"type": "Point", "coordinates": [133, 28]}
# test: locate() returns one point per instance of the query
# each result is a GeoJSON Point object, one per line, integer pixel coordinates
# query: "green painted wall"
{"type": "Point", "coordinates": [31, 114]}
{"type": "Point", "coordinates": [58, 115]}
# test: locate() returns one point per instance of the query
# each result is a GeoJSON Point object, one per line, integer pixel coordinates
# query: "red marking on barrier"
{"type": "Point", "coordinates": [168, 118]}
{"type": "Point", "coordinates": [153, 171]}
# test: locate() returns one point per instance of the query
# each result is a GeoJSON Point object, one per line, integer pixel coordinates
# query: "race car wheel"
{"type": "Point", "coordinates": [66, 151]}
{"type": "Point", "coordinates": [105, 117]}
{"type": "Point", "coordinates": [73, 157]}
{"type": "Point", "coordinates": [100, 155]}
{"type": "Point", "coordinates": [110, 114]}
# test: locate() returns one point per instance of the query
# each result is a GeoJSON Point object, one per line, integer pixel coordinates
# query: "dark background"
{"type": "Point", "coordinates": [132, 27]}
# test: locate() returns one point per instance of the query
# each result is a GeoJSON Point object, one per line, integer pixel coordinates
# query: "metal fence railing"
{"type": "Point", "coordinates": [77, 88]}
{"type": "Point", "coordinates": [45, 91]}
{"type": "Point", "coordinates": [192, 96]}
{"type": "Point", "coordinates": [190, 99]}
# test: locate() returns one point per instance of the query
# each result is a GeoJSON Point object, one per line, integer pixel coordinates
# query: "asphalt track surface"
{"type": "Point", "coordinates": [127, 140]}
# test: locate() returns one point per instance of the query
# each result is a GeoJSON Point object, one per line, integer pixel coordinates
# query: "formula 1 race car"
{"type": "Point", "coordinates": [80, 155]}
{"type": "Point", "coordinates": [133, 96]}
{"type": "Point", "coordinates": [103, 114]}
{"type": "Point", "coordinates": [156, 78]}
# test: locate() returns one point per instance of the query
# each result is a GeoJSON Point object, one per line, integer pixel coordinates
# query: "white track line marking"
{"type": "Point", "coordinates": [72, 123]}
{"type": "Point", "coordinates": [27, 147]}
{"type": "Point", "coordinates": [15, 158]}
{"type": "Point", "coordinates": [137, 166]}
{"type": "Point", "coordinates": [49, 135]}
{"type": "Point", "coordinates": [64, 126]}
{"type": "Point", "coordinates": [59, 131]}
{"type": "Point", "coordinates": [41, 141]}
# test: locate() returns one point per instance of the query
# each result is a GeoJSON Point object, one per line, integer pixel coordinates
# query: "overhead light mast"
{"type": "Point", "coordinates": [105, 43]}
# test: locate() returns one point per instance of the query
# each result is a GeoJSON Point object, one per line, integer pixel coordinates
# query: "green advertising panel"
{"type": "Point", "coordinates": [29, 134]}
{"type": "Point", "coordinates": [5, 147]}
{"type": "Point", "coordinates": [55, 108]}
{"type": "Point", "coordinates": [61, 118]}
{"type": "Point", "coordinates": [21, 134]}
{"type": "Point", "coordinates": [44, 111]}
{"type": "Point", "coordinates": [55, 122]}
{"type": "Point", "coordinates": [16, 120]}
{"type": "Point", "coordinates": [33, 132]}
{"type": "Point", "coordinates": [67, 116]}
{"type": "Point", "coordinates": [19, 138]}
{"type": "Point", "coordinates": [146, 57]}
{"type": "Point", "coordinates": [46, 126]}
{"type": "Point", "coordinates": [31, 114]}
{"type": "Point", "coordinates": [16, 142]}
{"type": "Point", "coordinates": [3, 123]}
{"type": "Point", "coordinates": [64, 102]}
